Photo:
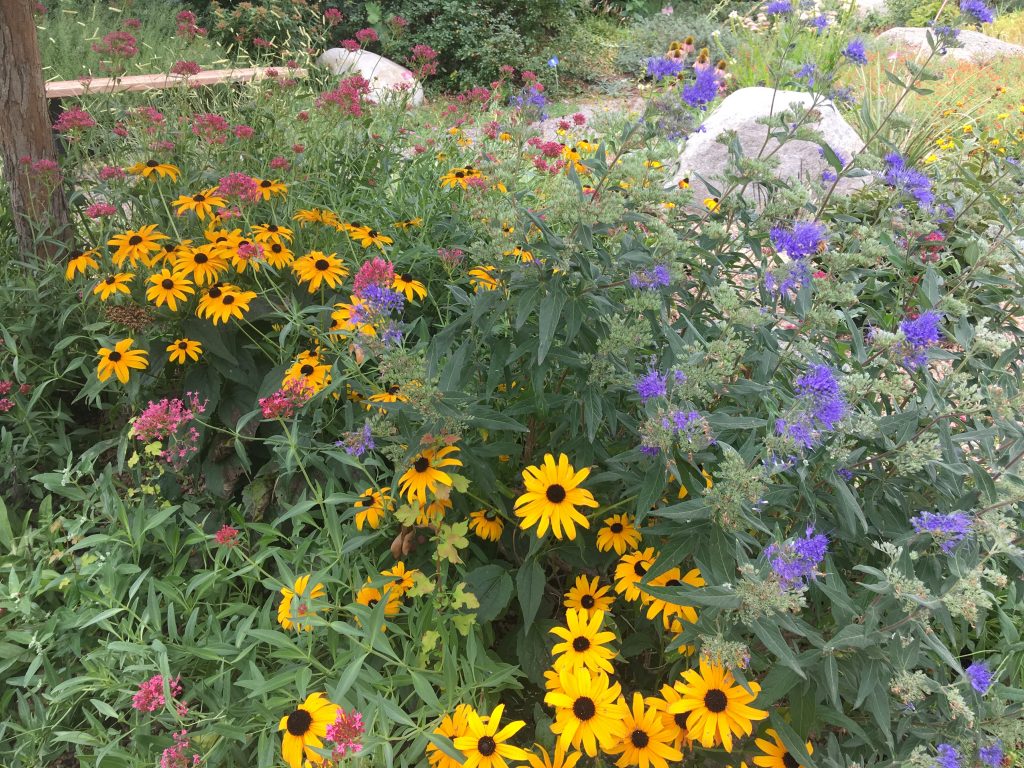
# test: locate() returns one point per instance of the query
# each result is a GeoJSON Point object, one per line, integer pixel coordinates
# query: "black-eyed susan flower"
{"type": "Point", "coordinates": [271, 233]}
{"type": "Point", "coordinates": [371, 596]}
{"type": "Point", "coordinates": [407, 223]}
{"type": "Point", "coordinates": [352, 317]}
{"type": "Point", "coordinates": [173, 251]}
{"type": "Point", "coordinates": [305, 730]}
{"type": "Point", "coordinates": [630, 570]}
{"type": "Point", "coordinates": [169, 288]}
{"type": "Point", "coordinates": [181, 349]}
{"type": "Point", "coordinates": [278, 256]}
{"type": "Point", "coordinates": [154, 169]}
{"type": "Point", "coordinates": [673, 723]}
{"type": "Point", "coordinates": [83, 261]}
{"type": "Point", "coordinates": [372, 506]}
{"type": "Point", "coordinates": [683, 183]}
{"type": "Point", "coordinates": [483, 278]}
{"type": "Point", "coordinates": [271, 187]}
{"type": "Point", "coordinates": [645, 741]}
{"type": "Point", "coordinates": [113, 284]}
{"type": "Point", "coordinates": [560, 758]}
{"type": "Point", "coordinates": [297, 603]}
{"type": "Point", "coordinates": [310, 371]}
{"type": "Point", "coordinates": [392, 393]}
{"type": "Point", "coordinates": [618, 533]}
{"type": "Point", "coordinates": [367, 237]}
{"type": "Point", "coordinates": [317, 216]}
{"type": "Point", "coordinates": [583, 643]}
{"type": "Point", "coordinates": [520, 253]}
{"type": "Point", "coordinates": [411, 287]}
{"type": "Point", "coordinates": [551, 497]}
{"type": "Point", "coordinates": [426, 473]}
{"type": "Point", "coordinates": [135, 245]}
{"type": "Point", "coordinates": [671, 613]}
{"type": "Point", "coordinates": [486, 524]}
{"type": "Point", "coordinates": [456, 177]}
{"type": "Point", "coordinates": [317, 267]}
{"type": "Point", "coordinates": [223, 301]}
{"type": "Point", "coordinates": [717, 706]}
{"type": "Point", "coordinates": [432, 515]}
{"type": "Point", "coordinates": [401, 579]}
{"type": "Point", "coordinates": [589, 596]}
{"type": "Point", "coordinates": [587, 712]}
{"type": "Point", "coordinates": [223, 242]}
{"type": "Point", "coordinates": [120, 361]}
{"type": "Point", "coordinates": [202, 204]}
{"type": "Point", "coordinates": [452, 726]}
{"type": "Point", "coordinates": [775, 753]}
{"type": "Point", "coordinates": [712, 203]}
{"type": "Point", "coordinates": [485, 742]}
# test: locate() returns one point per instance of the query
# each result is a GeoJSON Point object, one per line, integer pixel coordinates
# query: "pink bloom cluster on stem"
{"type": "Point", "coordinates": [150, 696]}
{"type": "Point", "coordinates": [188, 26]}
{"type": "Point", "coordinates": [376, 271]}
{"type": "Point", "coordinates": [168, 421]}
{"type": "Point", "coordinates": [73, 119]}
{"type": "Point", "coordinates": [177, 756]}
{"type": "Point", "coordinates": [227, 536]}
{"type": "Point", "coordinates": [289, 398]}
{"type": "Point", "coordinates": [347, 97]}
{"type": "Point", "coordinates": [241, 186]}
{"type": "Point", "coordinates": [346, 733]}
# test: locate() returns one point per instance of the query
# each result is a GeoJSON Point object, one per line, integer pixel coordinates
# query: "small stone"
{"type": "Point", "coordinates": [974, 46]}
{"type": "Point", "coordinates": [383, 75]}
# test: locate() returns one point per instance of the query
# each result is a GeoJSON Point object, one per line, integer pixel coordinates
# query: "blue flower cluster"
{"type": "Point", "coordinates": [949, 530]}
{"type": "Point", "coordinates": [820, 23]}
{"type": "Point", "coordinates": [660, 68]}
{"type": "Point", "coordinates": [920, 333]}
{"type": "Point", "coordinates": [907, 180]}
{"type": "Point", "coordinates": [978, 11]}
{"type": "Point", "coordinates": [980, 676]}
{"type": "Point", "coordinates": [855, 52]}
{"type": "Point", "coordinates": [947, 757]}
{"type": "Point", "coordinates": [820, 407]}
{"type": "Point", "coordinates": [651, 385]}
{"type": "Point", "coordinates": [798, 560]}
{"type": "Point", "coordinates": [992, 755]}
{"type": "Point", "coordinates": [358, 443]}
{"type": "Point", "coordinates": [651, 279]}
{"type": "Point", "coordinates": [703, 90]}
{"type": "Point", "coordinates": [802, 240]}
{"type": "Point", "coordinates": [778, 8]}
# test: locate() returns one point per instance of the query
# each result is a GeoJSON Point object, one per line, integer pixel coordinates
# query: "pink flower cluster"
{"type": "Point", "coordinates": [177, 756]}
{"type": "Point", "coordinates": [99, 210]}
{"type": "Point", "coordinates": [168, 421]}
{"type": "Point", "coordinates": [283, 403]}
{"type": "Point", "coordinates": [451, 256]}
{"type": "Point", "coordinates": [185, 68]}
{"type": "Point", "coordinates": [73, 119]}
{"type": "Point", "coordinates": [333, 16]}
{"type": "Point", "coordinates": [423, 61]}
{"type": "Point", "coordinates": [368, 35]}
{"type": "Point", "coordinates": [211, 128]}
{"type": "Point", "coordinates": [247, 251]}
{"type": "Point", "coordinates": [227, 536]}
{"type": "Point", "coordinates": [346, 733]}
{"type": "Point", "coordinates": [187, 26]}
{"type": "Point", "coordinates": [150, 696]}
{"type": "Point", "coordinates": [476, 94]}
{"type": "Point", "coordinates": [279, 163]}
{"type": "Point", "coordinates": [119, 46]}
{"type": "Point", "coordinates": [376, 271]}
{"type": "Point", "coordinates": [109, 172]}
{"type": "Point", "coordinates": [243, 131]}
{"type": "Point", "coordinates": [241, 186]}
{"type": "Point", "coordinates": [347, 97]}
{"type": "Point", "coordinates": [933, 250]}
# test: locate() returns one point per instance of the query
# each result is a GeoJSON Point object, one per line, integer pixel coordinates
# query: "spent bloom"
{"type": "Point", "coordinates": [980, 676]}
{"type": "Point", "coordinates": [797, 560]}
{"type": "Point", "coordinates": [949, 529]}
{"type": "Point", "coordinates": [150, 696]}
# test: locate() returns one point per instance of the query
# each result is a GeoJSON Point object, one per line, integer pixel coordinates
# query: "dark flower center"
{"type": "Point", "coordinates": [201, 258]}
{"type": "Point", "coordinates": [152, 164]}
{"type": "Point", "coordinates": [276, 247]}
{"type": "Point", "coordinates": [716, 700]}
{"type": "Point", "coordinates": [182, 345]}
{"type": "Point", "coordinates": [229, 299]}
{"type": "Point", "coordinates": [306, 369]}
{"type": "Point", "coordinates": [680, 719]}
{"type": "Point", "coordinates": [372, 602]}
{"type": "Point", "coordinates": [198, 198]}
{"type": "Point", "coordinates": [673, 583]}
{"type": "Point", "coordinates": [459, 174]}
{"type": "Point", "coordinates": [639, 738]}
{"type": "Point", "coordinates": [486, 746]}
{"type": "Point", "coordinates": [789, 761]}
{"type": "Point", "coordinates": [266, 183]}
{"type": "Point", "coordinates": [639, 568]}
{"type": "Point", "coordinates": [299, 722]}
{"type": "Point", "coordinates": [422, 464]}
{"type": "Point", "coordinates": [372, 233]}
{"type": "Point", "coordinates": [167, 284]}
{"type": "Point", "coordinates": [134, 240]}
{"type": "Point", "coordinates": [272, 228]}
{"type": "Point", "coordinates": [587, 601]}
{"type": "Point", "coordinates": [584, 708]}
{"type": "Point", "coordinates": [110, 280]}
{"type": "Point", "coordinates": [393, 389]}
{"type": "Point", "coordinates": [322, 264]}
{"type": "Point", "coordinates": [580, 644]}
{"type": "Point", "coordinates": [555, 493]}
{"type": "Point", "coordinates": [616, 527]}
{"type": "Point", "coordinates": [215, 293]}
{"type": "Point", "coordinates": [114, 357]}
{"type": "Point", "coordinates": [406, 278]}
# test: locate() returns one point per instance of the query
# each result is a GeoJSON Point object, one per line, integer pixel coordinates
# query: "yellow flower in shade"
{"type": "Point", "coordinates": [456, 177]}
{"type": "Point", "coordinates": [673, 723]}
{"type": "Point", "coordinates": [305, 730]}
{"type": "Point", "coordinates": [425, 473]}
{"type": "Point", "coordinates": [113, 284]}
{"type": "Point", "coordinates": [708, 482]}
{"type": "Point", "coordinates": [588, 596]}
{"type": "Point", "coordinates": [309, 369]}
{"type": "Point", "coordinates": [712, 203]}
{"type": "Point", "coordinates": [169, 288]}
{"type": "Point", "coordinates": [683, 183]}
{"type": "Point", "coordinates": [452, 726]}
{"type": "Point", "coordinates": [270, 187]}
{"type": "Point", "coordinates": [671, 614]}
{"type": "Point", "coordinates": [551, 497]}
{"type": "Point", "coordinates": [587, 711]}
{"type": "Point", "coordinates": [551, 680]}
{"type": "Point", "coordinates": [295, 604]}
{"type": "Point", "coordinates": [351, 317]}
{"type": "Point", "coordinates": [520, 253]}
{"type": "Point", "coordinates": [486, 524]}
{"type": "Point", "coordinates": [120, 360]}
{"type": "Point", "coordinates": [182, 348]}
{"type": "Point", "coordinates": [316, 216]}
{"type": "Point", "coordinates": [583, 643]}
{"type": "Point", "coordinates": [504, 136]}
{"type": "Point", "coordinates": [413, 222]}
{"type": "Point", "coordinates": [135, 245]}
{"type": "Point", "coordinates": [717, 707]}
{"type": "Point", "coordinates": [630, 570]}
{"type": "Point", "coordinates": [154, 169]}
{"type": "Point", "coordinates": [410, 287]}
{"type": "Point", "coordinates": [271, 233]}
{"type": "Point", "coordinates": [223, 302]}
{"type": "Point", "coordinates": [83, 261]}
{"type": "Point", "coordinates": [432, 515]}
{"type": "Point", "coordinates": [367, 237]}
{"type": "Point", "coordinates": [371, 512]}
{"type": "Point", "coordinates": [172, 252]}
{"type": "Point", "coordinates": [401, 579]}
{"type": "Point", "coordinates": [775, 753]}
{"type": "Point", "coordinates": [204, 263]}
{"type": "Point", "coordinates": [370, 596]}
{"type": "Point", "coordinates": [645, 742]}
{"type": "Point", "coordinates": [392, 394]}
{"type": "Point", "coordinates": [618, 533]}
{"type": "Point", "coordinates": [277, 255]}
{"type": "Point", "coordinates": [317, 267]}
{"type": "Point", "coordinates": [560, 758]}
{"type": "Point", "coordinates": [484, 743]}
{"type": "Point", "coordinates": [202, 204]}
{"type": "Point", "coordinates": [483, 278]}
{"type": "Point", "coordinates": [652, 164]}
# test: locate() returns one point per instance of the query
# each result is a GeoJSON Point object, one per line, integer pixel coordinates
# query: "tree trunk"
{"type": "Point", "coordinates": [26, 141]}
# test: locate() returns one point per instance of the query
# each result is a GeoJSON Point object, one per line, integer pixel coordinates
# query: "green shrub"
{"type": "Point", "coordinates": [651, 37]}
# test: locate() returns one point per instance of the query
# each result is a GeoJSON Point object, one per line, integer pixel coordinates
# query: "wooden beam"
{"type": "Point", "coordinates": [65, 88]}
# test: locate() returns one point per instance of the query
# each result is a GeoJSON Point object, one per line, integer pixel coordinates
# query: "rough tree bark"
{"type": "Point", "coordinates": [37, 196]}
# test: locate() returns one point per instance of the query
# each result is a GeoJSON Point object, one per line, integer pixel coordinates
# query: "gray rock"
{"type": "Point", "coordinates": [385, 77]}
{"type": "Point", "coordinates": [703, 155]}
{"type": "Point", "coordinates": [975, 46]}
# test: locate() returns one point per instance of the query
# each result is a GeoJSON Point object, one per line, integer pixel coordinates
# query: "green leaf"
{"type": "Point", "coordinates": [530, 589]}
{"type": "Point", "coordinates": [550, 312]}
{"type": "Point", "coordinates": [769, 634]}
{"type": "Point", "coordinates": [492, 586]}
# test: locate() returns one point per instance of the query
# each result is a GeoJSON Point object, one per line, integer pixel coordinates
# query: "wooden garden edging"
{"type": "Point", "coordinates": [60, 89]}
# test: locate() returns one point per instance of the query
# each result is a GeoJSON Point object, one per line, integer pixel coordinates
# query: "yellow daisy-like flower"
{"type": "Point", "coordinates": [392, 394]}
{"type": "Point", "coordinates": [587, 711]}
{"type": "Point", "coordinates": [367, 237]}
{"type": "Point", "coordinates": [712, 203]}
{"type": "Point", "coordinates": [305, 730]}
{"type": "Point", "coordinates": [483, 278]}
{"type": "Point", "coordinates": [170, 288]}
{"type": "Point", "coordinates": [411, 288]}
{"type": "Point", "coordinates": [775, 753]}
{"type": "Point", "coordinates": [278, 256]}
{"type": "Point", "coordinates": [645, 741]}
{"type": "Point", "coordinates": [223, 302]}
{"type": "Point", "coordinates": [202, 204]}
{"type": "Point", "coordinates": [308, 368]}
{"type": "Point", "coordinates": [673, 723]}
{"type": "Point", "coordinates": [583, 643]}
{"type": "Point", "coordinates": [520, 253]}
{"type": "Point", "coordinates": [182, 348]}
{"type": "Point", "coordinates": [271, 233]}
{"type": "Point", "coordinates": [342, 318]}
{"type": "Point", "coordinates": [135, 245]}
{"type": "Point", "coordinates": [456, 177]}
{"type": "Point", "coordinates": [588, 596]}
{"type": "Point", "coordinates": [413, 222]}
{"type": "Point", "coordinates": [630, 571]}
{"type": "Point", "coordinates": [371, 512]}
{"type": "Point", "coordinates": [295, 604]}
{"type": "Point", "coordinates": [486, 524]}
{"type": "Point", "coordinates": [204, 263]}
{"type": "Point", "coordinates": [559, 759]}
{"type": "Point", "coordinates": [425, 473]}
{"type": "Point", "coordinates": [224, 242]}
{"type": "Point", "coordinates": [154, 169]}
{"type": "Point", "coordinates": [618, 533]}
{"type": "Point", "coordinates": [317, 267]}
{"type": "Point", "coordinates": [173, 251]}
{"type": "Point", "coordinates": [452, 726]}
{"type": "Point", "coordinates": [551, 497]}
{"type": "Point", "coordinates": [370, 596]}
{"type": "Point", "coordinates": [83, 261]}
{"type": "Point", "coordinates": [120, 361]}
{"type": "Point", "coordinates": [402, 579]}
{"type": "Point", "coordinates": [671, 613]}
{"type": "Point", "coordinates": [270, 187]}
{"type": "Point", "coordinates": [718, 708]}
{"type": "Point", "coordinates": [317, 216]}
{"type": "Point", "coordinates": [432, 515]}
{"type": "Point", "coordinates": [484, 743]}
{"type": "Point", "coordinates": [113, 284]}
